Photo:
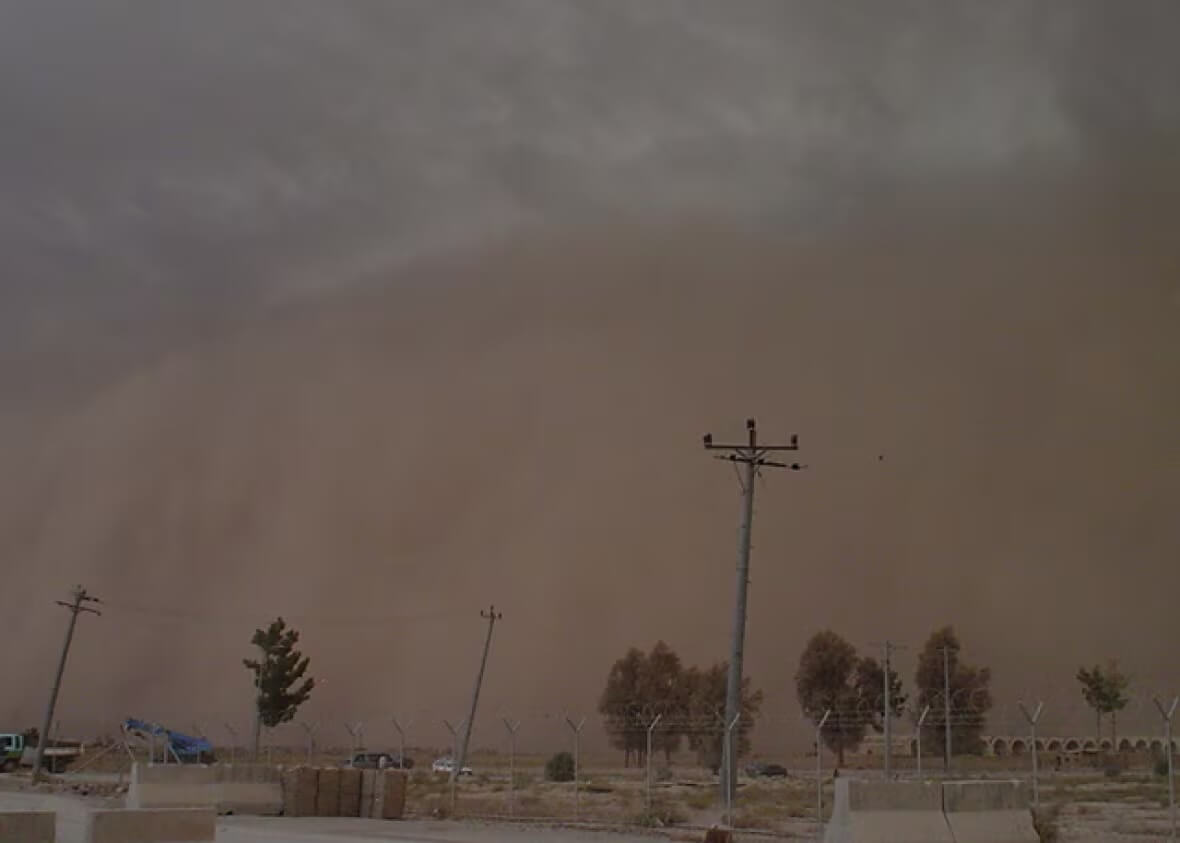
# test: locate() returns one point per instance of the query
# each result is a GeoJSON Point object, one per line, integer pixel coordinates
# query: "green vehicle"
{"type": "Point", "coordinates": [12, 747]}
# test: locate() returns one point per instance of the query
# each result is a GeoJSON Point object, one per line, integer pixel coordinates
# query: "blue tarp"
{"type": "Point", "coordinates": [184, 746]}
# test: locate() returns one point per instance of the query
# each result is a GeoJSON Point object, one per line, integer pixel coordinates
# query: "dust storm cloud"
{"type": "Point", "coordinates": [373, 314]}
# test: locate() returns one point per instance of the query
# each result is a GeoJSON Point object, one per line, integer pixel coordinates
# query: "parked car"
{"type": "Point", "coordinates": [446, 765]}
{"type": "Point", "coordinates": [774, 771]}
{"type": "Point", "coordinates": [379, 761]}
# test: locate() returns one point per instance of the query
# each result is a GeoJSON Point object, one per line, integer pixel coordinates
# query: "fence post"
{"type": "Point", "coordinates": [650, 729]}
{"type": "Point", "coordinates": [511, 727]}
{"type": "Point", "coordinates": [577, 730]}
{"type": "Point", "coordinates": [1167, 714]}
{"type": "Point", "coordinates": [819, 771]}
{"type": "Point", "coordinates": [1032, 724]}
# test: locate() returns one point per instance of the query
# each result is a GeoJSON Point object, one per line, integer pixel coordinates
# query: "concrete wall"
{"type": "Point", "coordinates": [27, 827]}
{"type": "Point", "coordinates": [988, 812]}
{"type": "Point", "coordinates": [227, 788]}
{"type": "Point", "coordinates": [887, 812]}
{"type": "Point", "coordinates": [160, 826]}
{"type": "Point", "coordinates": [929, 812]}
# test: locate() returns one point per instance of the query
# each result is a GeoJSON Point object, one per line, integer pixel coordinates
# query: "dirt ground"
{"type": "Point", "coordinates": [1078, 805]}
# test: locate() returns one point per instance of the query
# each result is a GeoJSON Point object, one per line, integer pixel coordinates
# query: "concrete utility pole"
{"type": "Point", "coordinates": [887, 711]}
{"type": "Point", "coordinates": [946, 687]}
{"type": "Point", "coordinates": [491, 616]}
{"type": "Point", "coordinates": [753, 457]}
{"type": "Point", "coordinates": [77, 605]}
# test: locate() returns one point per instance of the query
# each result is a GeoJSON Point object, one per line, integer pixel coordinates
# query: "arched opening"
{"type": "Point", "coordinates": [1140, 745]}
{"type": "Point", "coordinates": [1090, 746]}
{"type": "Point", "coordinates": [1054, 745]}
{"type": "Point", "coordinates": [1040, 745]}
{"type": "Point", "coordinates": [1018, 747]}
{"type": "Point", "coordinates": [1156, 746]}
{"type": "Point", "coordinates": [1071, 745]}
{"type": "Point", "coordinates": [1106, 745]}
{"type": "Point", "coordinates": [999, 747]}
{"type": "Point", "coordinates": [1124, 744]}
{"type": "Point", "coordinates": [913, 744]}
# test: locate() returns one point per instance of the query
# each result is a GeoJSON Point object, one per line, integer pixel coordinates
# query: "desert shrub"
{"type": "Point", "coordinates": [660, 816]}
{"type": "Point", "coordinates": [1045, 823]}
{"type": "Point", "coordinates": [560, 768]}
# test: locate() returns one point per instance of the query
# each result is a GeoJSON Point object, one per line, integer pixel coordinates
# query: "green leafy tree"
{"type": "Point", "coordinates": [970, 692]}
{"type": "Point", "coordinates": [621, 705]}
{"type": "Point", "coordinates": [706, 692]}
{"type": "Point", "coordinates": [639, 687]}
{"type": "Point", "coordinates": [1105, 691]}
{"type": "Point", "coordinates": [870, 692]}
{"type": "Point", "coordinates": [665, 692]}
{"type": "Point", "coordinates": [824, 682]}
{"type": "Point", "coordinates": [278, 677]}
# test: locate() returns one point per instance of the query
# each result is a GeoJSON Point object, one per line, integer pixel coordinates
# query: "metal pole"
{"type": "Point", "coordinates": [819, 770]}
{"type": "Point", "coordinates": [455, 768]}
{"type": "Point", "coordinates": [491, 617]}
{"type": "Point", "coordinates": [577, 730]}
{"type": "Point", "coordinates": [76, 607]}
{"type": "Point", "coordinates": [233, 749]}
{"type": "Point", "coordinates": [1032, 723]}
{"type": "Point", "coordinates": [511, 727]}
{"type": "Point", "coordinates": [263, 664]}
{"type": "Point", "coordinates": [310, 729]}
{"type": "Point", "coordinates": [650, 729]}
{"type": "Point", "coordinates": [946, 679]}
{"type": "Point", "coordinates": [401, 747]}
{"type": "Point", "coordinates": [1167, 714]}
{"type": "Point", "coordinates": [888, 718]}
{"type": "Point", "coordinates": [921, 721]}
{"type": "Point", "coordinates": [753, 457]}
{"type": "Point", "coordinates": [730, 752]}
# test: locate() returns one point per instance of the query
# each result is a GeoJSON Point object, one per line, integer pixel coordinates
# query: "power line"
{"type": "Point", "coordinates": [753, 458]}
{"type": "Point", "coordinates": [77, 605]}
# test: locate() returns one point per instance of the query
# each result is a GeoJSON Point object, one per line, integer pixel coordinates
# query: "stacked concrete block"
{"type": "Point", "coordinates": [327, 802]}
{"type": "Point", "coordinates": [300, 787]}
{"type": "Point", "coordinates": [350, 792]}
{"type": "Point", "coordinates": [392, 788]}
{"type": "Point", "coordinates": [368, 792]}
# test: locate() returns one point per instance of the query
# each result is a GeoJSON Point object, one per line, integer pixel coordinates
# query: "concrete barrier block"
{"type": "Point", "coordinates": [152, 826]}
{"type": "Point", "coordinates": [171, 786]}
{"type": "Point", "coordinates": [887, 812]}
{"type": "Point", "coordinates": [27, 827]}
{"type": "Point", "coordinates": [989, 812]}
{"type": "Point", "coordinates": [248, 789]}
{"type": "Point", "coordinates": [392, 787]}
{"type": "Point", "coordinates": [368, 793]}
{"type": "Point", "coordinates": [327, 801]}
{"type": "Point", "coordinates": [300, 785]}
{"type": "Point", "coordinates": [350, 792]}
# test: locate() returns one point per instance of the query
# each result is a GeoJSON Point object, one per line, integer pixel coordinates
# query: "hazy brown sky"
{"type": "Point", "coordinates": [372, 313]}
